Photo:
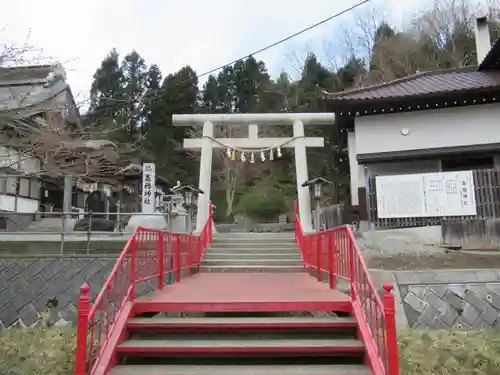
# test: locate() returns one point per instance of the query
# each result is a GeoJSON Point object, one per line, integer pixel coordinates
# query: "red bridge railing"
{"type": "Point", "coordinates": [334, 254]}
{"type": "Point", "coordinates": [151, 258]}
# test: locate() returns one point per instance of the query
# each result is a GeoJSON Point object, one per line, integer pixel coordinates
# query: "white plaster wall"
{"type": "Point", "coordinates": [8, 203]}
{"type": "Point", "coordinates": [428, 129]}
{"type": "Point", "coordinates": [356, 170]}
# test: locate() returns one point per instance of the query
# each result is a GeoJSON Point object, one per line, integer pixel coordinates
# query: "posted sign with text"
{"type": "Point", "coordinates": [426, 195]}
{"type": "Point", "coordinates": [148, 188]}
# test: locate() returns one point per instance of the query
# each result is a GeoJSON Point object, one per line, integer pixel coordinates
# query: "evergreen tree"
{"type": "Point", "coordinates": [134, 87]}
{"type": "Point", "coordinates": [106, 93]}
{"type": "Point", "coordinates": [177, 94]}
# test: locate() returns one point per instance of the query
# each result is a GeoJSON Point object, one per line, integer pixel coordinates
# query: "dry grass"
{"type": "Point", "coordinates": [37, 351]}
{"type": "Point", "coordinates": [440, 352]}
{"type": "Point", "coordinates": [43, 351]}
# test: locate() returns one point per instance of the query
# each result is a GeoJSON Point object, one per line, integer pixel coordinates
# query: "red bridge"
{"type": "Point", "coordinates": [196, 322]}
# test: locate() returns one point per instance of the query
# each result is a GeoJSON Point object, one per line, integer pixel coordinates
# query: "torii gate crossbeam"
{"type": "Point", "coordinates": [299, 142]}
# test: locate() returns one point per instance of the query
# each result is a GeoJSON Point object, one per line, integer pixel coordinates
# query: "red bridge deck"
{"type": "Point", "coordinates": [234, 292]}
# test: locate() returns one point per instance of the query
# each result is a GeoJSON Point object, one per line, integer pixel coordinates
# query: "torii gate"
{"type": "Point", "coordinates": [299, 142]}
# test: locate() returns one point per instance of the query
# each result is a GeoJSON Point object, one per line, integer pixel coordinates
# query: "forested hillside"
{"type": "Point", "coordinates": [134, 101]}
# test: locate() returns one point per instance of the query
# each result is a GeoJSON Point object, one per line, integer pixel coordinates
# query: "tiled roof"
{"type": "Point", "coordinates": [20, 75]}
{"type": "Point", "coordinates": [427, 83]}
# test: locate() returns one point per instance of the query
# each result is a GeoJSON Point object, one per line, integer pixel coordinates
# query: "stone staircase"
{"type": "Point", "coordinates": [241, 344]}
{"type": "Point", "coordinates": [253, 252]}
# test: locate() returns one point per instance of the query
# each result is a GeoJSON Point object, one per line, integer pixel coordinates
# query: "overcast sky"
{"type": "Point", "coordinates": [171, 33]}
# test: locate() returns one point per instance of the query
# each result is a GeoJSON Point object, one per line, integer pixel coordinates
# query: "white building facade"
{"type": "Point", "coordinates": [428, 122]}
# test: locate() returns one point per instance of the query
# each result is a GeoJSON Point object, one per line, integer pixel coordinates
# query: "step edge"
{"type": "Point", "coordinates": [330, 369]}
{"type": "Point", "coordinates": [256, 343]}
{"type": "Point", "coordinates": [243, 321]}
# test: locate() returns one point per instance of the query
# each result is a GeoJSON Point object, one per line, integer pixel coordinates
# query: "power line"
{"type": "Point", "coordinates": [287, 38]}
{"type": "Point", "coordinates": [157, 93]}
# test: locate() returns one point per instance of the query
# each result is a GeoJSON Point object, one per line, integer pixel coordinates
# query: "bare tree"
{"type": "Point", "coordinates": [358, 39]}
{"type": "Point", "coordinates": [450, 26]}
{"type": "Point", "coordinates": [228, 172]}
{"type": "Point", "coordinates": [38, 134]}
{"type": "Point", "coordinates": [297, 56]}
{"type": "Point", "coordinates": [47, 147]}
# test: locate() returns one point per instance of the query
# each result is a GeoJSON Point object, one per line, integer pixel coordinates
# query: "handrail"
{"type": "Point", "coordinates": [148, 254]}
{"type": "Point", "coordinates": [334, 252]}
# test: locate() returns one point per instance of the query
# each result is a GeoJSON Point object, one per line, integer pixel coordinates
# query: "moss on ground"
{"type": "Point", "coordinates": [43, 351]}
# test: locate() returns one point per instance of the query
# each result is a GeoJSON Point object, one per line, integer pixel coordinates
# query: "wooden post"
{"type": "Point", "coordinates": [391, 334]}
{"type": "Point", "coordinates": [82, 328]}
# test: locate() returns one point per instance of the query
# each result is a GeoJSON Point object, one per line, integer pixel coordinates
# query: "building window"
{"type": "Point", "coordinates": [11, 187]}
{"type": "Point", "coordinates": [35, 187]}
{"type": "Point", "coordinates": [24, 187]}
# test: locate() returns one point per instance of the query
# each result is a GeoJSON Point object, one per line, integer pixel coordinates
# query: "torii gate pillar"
{"type": "Point", "coordinates": [303, 196]}
{"type": "Point", "coordinates": [205, 180]}
{"type": "Point", "coordinates": [299, 143]}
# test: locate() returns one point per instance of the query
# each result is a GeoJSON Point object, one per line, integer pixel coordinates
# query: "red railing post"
{"type": "Point", "coordinates": [352, 259]}
{"type": "Point", "coordinates": [178, 258]}
{"type": "Point", "coordinates": [82, 327]}
{"type": "Point", "coordinates": [309, 253]}
{"type": "Point", "coordinates": [331, 266]}
{"type": "Point", "coordinates": [391, 334]}
{"type": "Point", "coordinates": [133, 253]}
{"type": "Point", "coordinates": [161, 259]}
{"type": "Point", "coordinates": [198, 245]}
{"type": "Point", "coordinates": [189, 256]}
{"type": "Point", "coordinates": [318, 256]}
{"type": "Point", "coordinates": [210, 220]}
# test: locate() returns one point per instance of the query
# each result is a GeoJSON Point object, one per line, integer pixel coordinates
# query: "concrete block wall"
{"type": "Point", "coordinates": [29, 286]}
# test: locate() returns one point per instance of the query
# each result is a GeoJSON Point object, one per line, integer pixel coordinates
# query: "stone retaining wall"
{"type": "Point", "coordinates": [29, 285]}
{"type": "Point", "coordinates": [431, 298]}
{"type": "Point", "coordinates": [450, 298]}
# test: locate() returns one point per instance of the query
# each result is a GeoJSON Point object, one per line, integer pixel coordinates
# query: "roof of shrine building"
{"type": "Point", "coordinates": [423, 91]}
{"type": "Point", "coordinates": [28, 90]}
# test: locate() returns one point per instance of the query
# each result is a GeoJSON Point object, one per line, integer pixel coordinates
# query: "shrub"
{"type": "Point", "coordinates": [265, 204]}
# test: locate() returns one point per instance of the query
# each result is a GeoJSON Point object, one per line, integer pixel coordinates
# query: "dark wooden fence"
{"type": "Point", "coordinates": [335, 215]}
{"type": "Point", "coordinates": [482, 230]}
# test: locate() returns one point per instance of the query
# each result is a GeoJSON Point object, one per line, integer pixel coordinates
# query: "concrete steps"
{"type": "Point", "coordinates": [253, 252]}
{"type": "Point", "coordinates": [240, 370]}
{"type": "Point", "coordinates": [250, 255]}
{"type": "Point", "coordinates": [252, 269]}
{"type": "Point", "coordinates": [261, 344]}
